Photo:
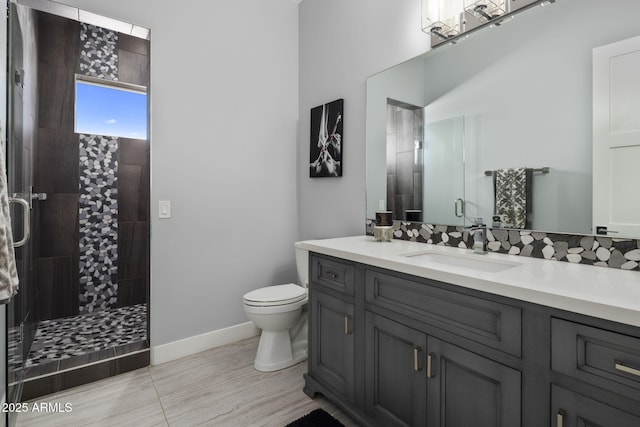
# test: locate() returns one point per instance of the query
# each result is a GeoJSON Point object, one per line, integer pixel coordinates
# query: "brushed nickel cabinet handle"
{"type": "Point", "coordinates": [416, 359]}
{"type": "Point", "coordinates": [620, 366]}
{"type": "Point", "coordinates": [560, 417]}
{"type": "Point", "coordinates": [430, 365]}
{"type": "Point", "coordinates": [332, 275]}
{"type": "Point", "coordinates": [347, 318]}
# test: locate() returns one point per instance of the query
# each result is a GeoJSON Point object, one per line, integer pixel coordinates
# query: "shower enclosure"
{"type": "Point", "coordinates": [81, 311]}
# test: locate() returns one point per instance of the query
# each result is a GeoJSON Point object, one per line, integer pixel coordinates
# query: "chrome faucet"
{"type": "Point", "coordinates": [479, 229]}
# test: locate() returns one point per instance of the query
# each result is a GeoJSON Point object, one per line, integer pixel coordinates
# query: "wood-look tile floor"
{"type": "Point", "coordinates": [218, 387]}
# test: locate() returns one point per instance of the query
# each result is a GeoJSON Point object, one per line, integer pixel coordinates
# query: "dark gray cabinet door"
{"type": "Point", "coordinates": [332, 343]}
{"type": "Point", "coordinates": [465, 389]}
{"type": "Point", "coordinates": [570, 409]}
{"type": "Point", "coordinates": [396, 388]}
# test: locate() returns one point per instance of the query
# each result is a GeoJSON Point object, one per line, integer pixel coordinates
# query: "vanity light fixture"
{"type": "Point", "coordinates": [450, 21]}
{"type": "Point", "coordinates": [485, 10]}
{"type": "Point", "coordinates": [442, 19]}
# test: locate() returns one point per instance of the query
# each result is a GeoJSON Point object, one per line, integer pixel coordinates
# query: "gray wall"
{"type": "Point", "coordinates": [341, 44]}
{"type": "Point", "coordinates": [224, 84]}
{"type": "Point", "coordinates": [225, 78]}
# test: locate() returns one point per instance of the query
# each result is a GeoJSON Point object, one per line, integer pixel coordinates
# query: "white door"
{"type": "Point", "coordinates": [616, 138]}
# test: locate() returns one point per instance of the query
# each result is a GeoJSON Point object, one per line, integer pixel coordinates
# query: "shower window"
{"type": "Point", "coordinates": [110, 108]}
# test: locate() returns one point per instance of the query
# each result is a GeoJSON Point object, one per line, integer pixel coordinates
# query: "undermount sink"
{"type": "Point", "coordinates": [470, 261]}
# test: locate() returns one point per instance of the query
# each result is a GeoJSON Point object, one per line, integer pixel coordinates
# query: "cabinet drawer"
{"type": "Point", "coordinates": [604, 358]}
{"type": "Point", "coordinates": [490, 323]}
{"type": "Point", "coordinates": [333, 274]}
{"type": "Point", "coordinates": [573, 409]}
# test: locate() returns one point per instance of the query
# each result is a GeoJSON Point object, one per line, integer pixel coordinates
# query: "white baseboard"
{"type": "Point", "coordinates": [192, 345]}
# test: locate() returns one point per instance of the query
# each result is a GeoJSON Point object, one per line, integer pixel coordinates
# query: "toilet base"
{"type": "Point", "coordinates": [276, 351]}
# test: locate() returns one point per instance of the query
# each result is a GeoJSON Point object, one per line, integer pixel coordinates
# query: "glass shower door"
{"type": "Point", "coordinates": [84, 276]}
{"type": "Point", "coordinates": [444, 172]}
{"type": "Point", "coordinates": [20, 322]}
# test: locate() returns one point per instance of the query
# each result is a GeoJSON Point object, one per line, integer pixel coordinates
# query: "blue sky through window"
{"type": "Point", "coordinates": [104, 110]}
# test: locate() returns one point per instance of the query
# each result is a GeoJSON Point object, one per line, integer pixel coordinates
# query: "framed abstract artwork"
{"type": "Point", "coordinates": [325, 158]}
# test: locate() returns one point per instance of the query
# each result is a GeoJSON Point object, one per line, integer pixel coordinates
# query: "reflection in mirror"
{"type": "Point", "coordinates": [404, 160]}
{"type": "Point", "coordinates": [526, 97]}
{"type": "Point", "coordinates": [425, 166]}
{"type": "Point", "coordinates": [444, 172]}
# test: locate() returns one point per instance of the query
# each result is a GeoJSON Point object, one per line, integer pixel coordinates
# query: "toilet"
{"type": "Point", "coordinates": [280, 312]}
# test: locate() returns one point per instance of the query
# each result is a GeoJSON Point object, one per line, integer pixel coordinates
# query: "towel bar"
{"type": "Point", "coordinates": [543, 170]}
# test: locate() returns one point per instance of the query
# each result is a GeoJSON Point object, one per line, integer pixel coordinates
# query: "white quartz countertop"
{"type": "Point", "coordinates": [606, 293]}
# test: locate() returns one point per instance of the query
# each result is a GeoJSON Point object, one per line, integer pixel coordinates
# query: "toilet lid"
{"type": "Point", "coordinates": [276, 295]}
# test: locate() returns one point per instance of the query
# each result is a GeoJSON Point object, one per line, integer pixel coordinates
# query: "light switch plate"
{"type": "Point", "coordinates": [164, 209]}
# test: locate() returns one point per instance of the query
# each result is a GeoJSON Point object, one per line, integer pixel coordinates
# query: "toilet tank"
{"type": "Point", "coordinates": [302, 262]}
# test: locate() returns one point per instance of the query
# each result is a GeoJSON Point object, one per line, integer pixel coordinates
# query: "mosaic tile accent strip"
{"type": "Point", "coordinates": [592, 250]}
{"type": "Point", "coordinates": [600, 251]}
{"type": "Point", "coordinates": [98, 218]}
{"type": "Point", "coordinates": [68, 337]}
{"type": "Point", "coordinates": [98, 52]}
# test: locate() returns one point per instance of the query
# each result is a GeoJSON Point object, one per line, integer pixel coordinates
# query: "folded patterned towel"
{"type": "Point", "coordinates": [8, 272]}
{"type": "Point", "coordinates": [513, 195]}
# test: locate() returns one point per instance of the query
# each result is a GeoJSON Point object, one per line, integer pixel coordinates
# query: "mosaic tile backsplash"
{"type": "Point", "coordinates": [584, 249]}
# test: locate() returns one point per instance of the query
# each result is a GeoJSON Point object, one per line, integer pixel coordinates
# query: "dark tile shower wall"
{"type": "Point", "coordinates": [62, 52]}
{"type": "Point", "coordinates": [133, 54]}
{"type": "Point", "coordinates": [134, 187]}
{"type": "Point", "coordinates": [404, 160]}
{"type": "Point", "coordinates": [57, 168]}
{"type": "Point", "coordinates": [133, 198]}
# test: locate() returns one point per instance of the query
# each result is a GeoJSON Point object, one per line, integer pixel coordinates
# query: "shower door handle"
{"type": "Point", "coordinates": [458, 207]}
{"type": "Point", "coordinates": [26, 219]}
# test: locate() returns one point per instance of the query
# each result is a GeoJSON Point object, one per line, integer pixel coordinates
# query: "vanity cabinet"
{"type": "Point", "coordinates": [413, 379]}
{"type": "Point", "coordinates": [331, 325]}
{"type": "Point", "coordinates": [395, 381]}
{"type": "Point", "coordinates": [333, 358]}
{"type": "Point", "coordinates": [588, 357]}
{"type": "Point", "coordinates": [465, 389]}
{"type": "Point", "coordinates": [572, 409]}
{"type": "Point", "coordinates": [437, 377]}
{"type": "Point", "coordinates": [392, 349]}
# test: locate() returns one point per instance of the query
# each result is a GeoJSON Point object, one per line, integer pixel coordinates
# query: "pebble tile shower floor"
{"type": "Point", "coordinates": [71, 337]}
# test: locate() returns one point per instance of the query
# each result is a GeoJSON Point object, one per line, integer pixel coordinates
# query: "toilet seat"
{"type": "Point", "coordinates": [275, 295]}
